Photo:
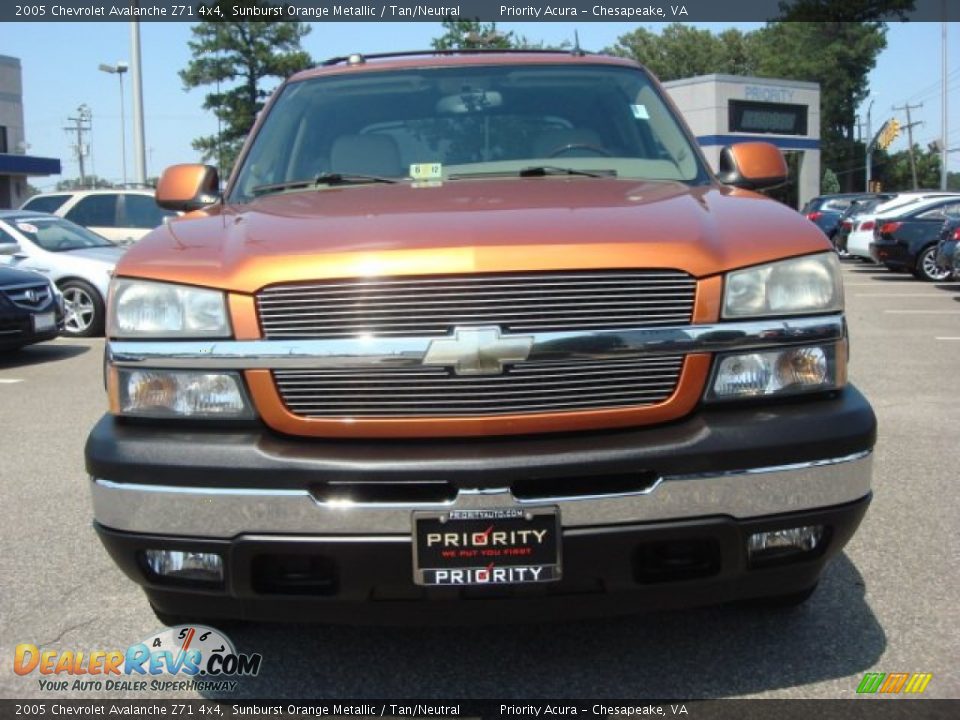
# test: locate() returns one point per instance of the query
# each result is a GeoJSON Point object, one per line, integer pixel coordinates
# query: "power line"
{"type": "Point", "coordinates": [934, 87]}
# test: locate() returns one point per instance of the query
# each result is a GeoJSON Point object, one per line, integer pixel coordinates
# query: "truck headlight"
{"type": "Point", "coordinates": [147, 309]}
{"type": "Point", "coordinates": [799, 286]}
{"type": "Point", "coordinates": [785, 371]}
{"type": "Point", "coordinates": [180, 393]}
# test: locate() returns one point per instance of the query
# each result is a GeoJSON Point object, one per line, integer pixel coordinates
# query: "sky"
{"type": "Point", "coordinates": [60, 71]}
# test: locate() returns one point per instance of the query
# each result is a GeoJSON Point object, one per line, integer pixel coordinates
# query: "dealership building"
{"type": "Point", "coordinates": [726, 109]}
{"type": "Point", "coordinates": [15, 165]}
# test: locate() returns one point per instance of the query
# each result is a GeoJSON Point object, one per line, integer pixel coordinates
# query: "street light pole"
{"type": "Point", "coordinates": [139, 146]}
{"type": "Point", "coordinates": [943, 101]}
{"type": "Point", "coordinates": [119, 69]}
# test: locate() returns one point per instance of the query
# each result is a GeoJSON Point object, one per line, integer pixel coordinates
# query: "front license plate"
{"type": "Point", "coordinates": [44, 321]}
{"type": "Point", "coordinates": [502, 546]}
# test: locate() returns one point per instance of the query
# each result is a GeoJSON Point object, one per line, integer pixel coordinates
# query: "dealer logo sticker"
{"type": "Point", "coordinates": [185, 657]}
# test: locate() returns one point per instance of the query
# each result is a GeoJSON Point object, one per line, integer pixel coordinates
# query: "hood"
{"type": "Point", "coordinates": [13, 276]}
{"type": "Point", "coordinates": [466, 226]}
{"type": "Point", "coordinates": [105, 255]}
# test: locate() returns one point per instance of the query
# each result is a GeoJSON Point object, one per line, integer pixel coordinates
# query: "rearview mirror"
{"type": "Point", "coordinates": [9, 248]}
{"type": "Point", "coordinates": [752, 165]}
{"type": "Point", "coordinates": [469, 101]}
{"type": "Point", "coordinates": [188, 187]}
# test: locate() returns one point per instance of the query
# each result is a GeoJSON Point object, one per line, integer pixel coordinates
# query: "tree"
{"type": "Point", "coordinates": [829, 185]}
{"type": "Point", "coordinates": [246, 51]}
{"type": "Point", "coordinates": [893, 170]}
{"type": "Point", "coordinates": [682, 51]}
{"type": "Point", "coordinates": [94, 182]}
{"type": "Point", "coordinates": [473, 35]}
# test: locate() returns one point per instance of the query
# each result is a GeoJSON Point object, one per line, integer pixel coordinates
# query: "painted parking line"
{"type": "Point", "coordinates": [948, 338]}
{"type": "Point", "coordinates": [922, 312]}
{"type": "Point", "coordinates": [9, 381]}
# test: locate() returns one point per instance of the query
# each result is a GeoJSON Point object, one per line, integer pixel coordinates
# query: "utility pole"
{"type": "Point", "coordinates": [913, 163]}
{"type": "Point", "coordinates": [81, 125]}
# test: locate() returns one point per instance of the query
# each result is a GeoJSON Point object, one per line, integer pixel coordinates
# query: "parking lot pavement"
{"type": "Point", "coordinates": [888, 604]}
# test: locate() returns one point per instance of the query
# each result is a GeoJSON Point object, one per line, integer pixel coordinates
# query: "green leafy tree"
{"type": "Point", "coordinates": [893, 170]}
{"type": "Point", "coordinates": [238, 57]}
{"type": "Point", "coordinates": [473, 35]}
{"type": "Point", "coordinates": [829, 185]}
{"type": "Point", "coordinates": [845, 10]}
{"type": "Point", "coordinates": [682, 51]}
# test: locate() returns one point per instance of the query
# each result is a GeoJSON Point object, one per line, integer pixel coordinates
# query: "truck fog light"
{"type": "Point", "coordinates": [774, 545]}
{"type": "Point", "coordinates": [185, 565]}
{"type": "Point", "coordinates": [164, 393]}
{"type": "Point", "coordinates": [786, 371]}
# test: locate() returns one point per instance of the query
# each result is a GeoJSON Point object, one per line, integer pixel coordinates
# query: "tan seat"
{"type": "Point", "coordinates": [366, 155]}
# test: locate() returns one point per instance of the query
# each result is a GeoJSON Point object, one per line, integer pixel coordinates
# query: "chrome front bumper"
{"type": "Point", "coordinates": [217, 512]}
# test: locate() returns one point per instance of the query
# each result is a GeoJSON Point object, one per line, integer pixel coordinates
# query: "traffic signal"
{"type": "Point", "coordinates": [888, 133]}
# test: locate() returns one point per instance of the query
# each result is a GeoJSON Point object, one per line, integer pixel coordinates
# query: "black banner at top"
{"type": "Point", "coordinates": [631, 11]}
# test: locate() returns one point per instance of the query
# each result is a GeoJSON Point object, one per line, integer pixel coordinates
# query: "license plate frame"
{"type": "Point", "coordinates": [494, 546]}
{"type": "Point", "coordinates": [42, 322]}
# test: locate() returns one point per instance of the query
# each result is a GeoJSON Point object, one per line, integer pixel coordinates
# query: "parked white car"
{"type": "Point", "coordinates": [121, 216]}
{"type": "Point", "coordinates": [860, 237]}
{"type": "Point", "coordinates": [77, 260]}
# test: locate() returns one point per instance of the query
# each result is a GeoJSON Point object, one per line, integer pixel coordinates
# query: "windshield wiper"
{"type": "Point", "coordinates": [536, 171]}
{"type": "Point", "coordinates": [544, 170]}
{"type": "Point", "coordinates": [327, 178]}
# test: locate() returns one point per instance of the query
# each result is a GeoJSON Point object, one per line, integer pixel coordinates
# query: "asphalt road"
{"type": "Point", "coordinates": [888, 604]}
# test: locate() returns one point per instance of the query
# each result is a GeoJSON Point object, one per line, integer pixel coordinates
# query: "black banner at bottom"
{"type": "Point", "coordinates": [873, 708]}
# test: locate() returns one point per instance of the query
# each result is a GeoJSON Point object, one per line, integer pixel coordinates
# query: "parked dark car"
{"type": "Point", "coordinates": [859, 204]}
{"type": "Point", "coordinates": [947, 246]}
{"type": "Point", "coordinates": [825, 211]}
{"type": "Point", "coordinates": [31, 309]}
{"type": "Point", "coordinates": [908, 241]}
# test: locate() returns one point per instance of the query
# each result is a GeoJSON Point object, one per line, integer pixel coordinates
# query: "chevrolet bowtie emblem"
{"type": "Point", "coordinates": [478, 351]}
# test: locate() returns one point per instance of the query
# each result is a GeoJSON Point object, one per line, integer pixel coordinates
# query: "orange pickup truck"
{"type": "Point", "coordinates": [476, 335]}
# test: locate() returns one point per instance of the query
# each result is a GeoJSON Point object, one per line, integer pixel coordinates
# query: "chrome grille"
{"type": "Point", "coordinates": [433, 306]}
{"type": "Point", "coordinates": [29, 297]}
{"type": "Point", "coordinates": [530, 387]}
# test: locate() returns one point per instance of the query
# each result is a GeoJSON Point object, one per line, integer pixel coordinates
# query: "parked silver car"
{"type": "Point", "coordinates": [79, 261]}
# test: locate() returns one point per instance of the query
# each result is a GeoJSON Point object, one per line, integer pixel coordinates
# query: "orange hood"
{"type": "Point", "coordinates": [465, 226]}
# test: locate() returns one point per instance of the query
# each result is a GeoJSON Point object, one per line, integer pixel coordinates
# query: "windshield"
{"type": "Point", "coordinates": [58, 235]}
{"type": "Point", "coordinates": [464, 121]}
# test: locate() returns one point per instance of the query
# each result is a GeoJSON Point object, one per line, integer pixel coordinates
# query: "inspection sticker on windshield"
{"type": "Point", "coordinates": [426, 171]}
{"type": "Point", "coordinates": [640, 112]}
{"type": "Point", "coordinates": [27, 228]}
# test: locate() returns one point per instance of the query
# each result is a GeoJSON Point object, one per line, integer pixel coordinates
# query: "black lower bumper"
{"type": "Point", "coordinates": [716, 439]}
{"type": "Point", "coordinates": [606, 570]}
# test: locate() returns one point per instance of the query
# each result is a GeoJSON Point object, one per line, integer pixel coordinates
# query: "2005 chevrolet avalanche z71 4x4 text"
{"type": "Point", "coordinates": [476, 335]}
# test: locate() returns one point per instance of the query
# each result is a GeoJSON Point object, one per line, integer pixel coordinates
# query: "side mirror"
{"type": "Point", "coordinates": [752, 165]}
{"type": "Point", "coordinates": [9, 248]}
{"type": "Point", "coordinates": [188, 187]}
